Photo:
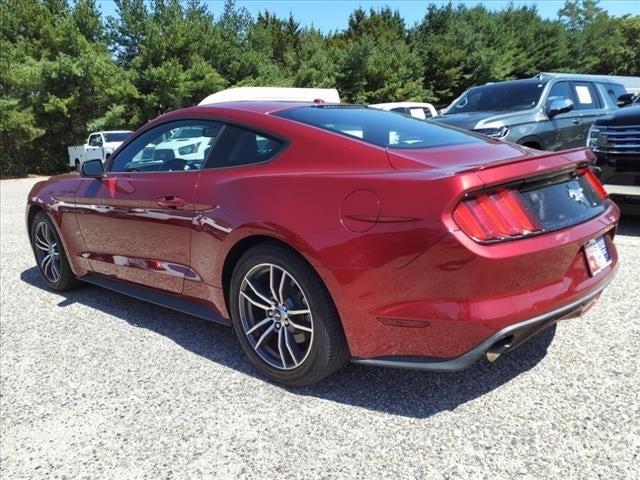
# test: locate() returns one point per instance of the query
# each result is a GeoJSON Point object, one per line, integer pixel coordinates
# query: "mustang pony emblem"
{"type": "Point", "coordinates": [576, 194]}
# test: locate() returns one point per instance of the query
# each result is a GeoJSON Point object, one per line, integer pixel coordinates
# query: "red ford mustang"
{"type": "Point", "coordinates": [326, 233]}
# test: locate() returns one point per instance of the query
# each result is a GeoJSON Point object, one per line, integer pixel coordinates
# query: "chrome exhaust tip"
{"type": "Point", "coordinates": [498, 348]}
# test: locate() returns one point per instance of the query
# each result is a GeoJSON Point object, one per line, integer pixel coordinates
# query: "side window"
{"type": "Point", "coordinates": [95, 140]}
{"type": "Point", "coordinates": [614, 90]}
{"type": "Point", "coordinates": [560, 90]}
{"type": "Point", "coordinates": [174, 146]}
{"type": "Point", "coordinates": [399, 110]}
{"type": "Point", "coordinates": [585, 96]}
{"type": "Point", "coordinates": [239, 146]}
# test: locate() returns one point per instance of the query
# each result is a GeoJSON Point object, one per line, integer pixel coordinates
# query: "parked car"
{"type": "Point", "coordinates": [100, 145]}
{"type": "Point", "coordinates": [413, 109]}
{"type": "Point", "coordinates": [548, 112]}
{"type": "Point", "coordinates": [328, 232]}
{"type": "Point", "coordinates": [186, 145]}
{"type": "Point", "coordinates": [615, 139]}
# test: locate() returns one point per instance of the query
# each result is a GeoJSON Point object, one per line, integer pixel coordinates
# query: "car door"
{"type": "Point", "coordinates": [94, 149]}
{"type": "Point", "coordinates": [566, 128]}
{"type": "Point", "coordinates": [238, 154]}
{"type": "Point", "coordinates": [136, 222]}
{"type": "Point", "coordinates": [589, 104]}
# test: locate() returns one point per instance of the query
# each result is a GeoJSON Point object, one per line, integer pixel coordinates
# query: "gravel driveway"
{"type": "Point", "coordinates": [98, 385]}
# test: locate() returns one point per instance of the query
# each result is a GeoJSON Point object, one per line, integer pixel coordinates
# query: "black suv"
{"type": "Point", "coordinates": [615, 139]}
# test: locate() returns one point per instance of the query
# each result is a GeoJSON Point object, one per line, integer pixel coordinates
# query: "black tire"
{"type": "Point", "coordinates": [327, 351]}
{"type": "Point", "coordinates": [77, 165]}
{"type": "Point", "coordinates": [64, 280]}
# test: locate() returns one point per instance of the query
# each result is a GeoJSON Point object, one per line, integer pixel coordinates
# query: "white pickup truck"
{"type": "Point", "coordinates": [99, 145]}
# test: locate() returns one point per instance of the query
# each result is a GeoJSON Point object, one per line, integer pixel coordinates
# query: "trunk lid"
{"type": "Point", "coordinates": [514, 160]}
{"type": "Point", "coordinates": [554, 190]}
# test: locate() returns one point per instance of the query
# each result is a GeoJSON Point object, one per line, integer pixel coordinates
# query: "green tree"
{"type": "Point", "coordinates": [64, 70]}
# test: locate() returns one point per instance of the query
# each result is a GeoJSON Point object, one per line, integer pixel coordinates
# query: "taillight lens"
{"type": "Point", "coordinates": [495, 216]}
{"type": "Point", "coordinates": [595, 183]}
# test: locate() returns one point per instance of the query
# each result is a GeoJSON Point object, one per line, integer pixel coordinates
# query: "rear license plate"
{"type": "Point", "coordinates": [597, 254]}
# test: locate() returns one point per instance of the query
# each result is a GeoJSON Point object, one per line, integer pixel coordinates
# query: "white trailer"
{"type": "Point", "coordinates": [98, 145]}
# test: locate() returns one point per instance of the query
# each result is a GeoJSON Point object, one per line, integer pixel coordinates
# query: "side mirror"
{"type": "Point", "coordinates": [92, 169]}
{"type": "Point", "coordinates": [626, 99]}
{"type": "Point", "coordinates": [558, 106]}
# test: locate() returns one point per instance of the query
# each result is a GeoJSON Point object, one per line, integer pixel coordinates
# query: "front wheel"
{"type": "Point", "coordinates": [50, 255]}
{"type": "Point", "coordinates": [284, 317]}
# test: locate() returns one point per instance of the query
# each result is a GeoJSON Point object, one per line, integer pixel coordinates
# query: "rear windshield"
{"type": "Point", "coordinates": [499, 97]}
{"type": "Point", "coordinates": [381, 128]}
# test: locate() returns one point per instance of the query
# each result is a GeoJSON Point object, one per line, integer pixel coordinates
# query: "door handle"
{"type": "Point", "coordinates": [171, 201]}
{"type": "Point", "coordinates": [575, 121]}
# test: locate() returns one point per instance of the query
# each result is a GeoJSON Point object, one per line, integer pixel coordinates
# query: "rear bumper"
{"type": "Point", "coordinates": [500, 342]}
{"type": "Point", "coordinates": [458, 294]}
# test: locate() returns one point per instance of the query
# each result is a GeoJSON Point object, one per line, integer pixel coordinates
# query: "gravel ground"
{"type": "Point", "coordinates": [98, 385]}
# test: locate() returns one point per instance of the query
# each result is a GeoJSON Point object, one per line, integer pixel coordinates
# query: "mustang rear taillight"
{"type": "Point", "coordinates": [595, 183]}
{"type": "Point", "coordinates": [495, 216]}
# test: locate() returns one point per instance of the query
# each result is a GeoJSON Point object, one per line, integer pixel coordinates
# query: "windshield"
{"type": "Point", "coordinates": [117, 136]}
{"type": "Point", "coordinates": [381, 128]}
{"type": "Point", "coordinates": [499, 97]}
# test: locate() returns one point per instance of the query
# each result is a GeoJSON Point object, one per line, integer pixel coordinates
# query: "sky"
{"type": "Point", "coordinates": [329, 15]}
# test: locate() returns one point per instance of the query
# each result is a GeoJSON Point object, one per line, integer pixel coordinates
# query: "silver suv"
{"type": "Point", "coordinates": [551, 111]}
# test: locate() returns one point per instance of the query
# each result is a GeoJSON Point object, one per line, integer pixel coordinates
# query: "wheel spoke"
{"type": "Point", "coordinates": [46, 262]}
{"type": "Point", "coordinates": [280, 335]}
{"type": "Point", "coordinates": [40, 245]}
{"type": "Point", "coordinates": [281, 288]}
{"type": "Point", "coordinates": [298, 312]}
{"type": "Point", "coordinates": [46, 234]}
{"type": "Point", "coordinates": [253, 302]}
{"type": "Point", "coordinates": [260, 295]}
{"type": "Point", "coordinates": [54, 269]}
{"type": "Point", "coordinates": [300, 327]}
{"type": "Point", "coordinates": [259, 324]}
{"type": "Point", "coordinates": [266, 333]}
{"type": "Point", "coordinates": [271, 286]}
{"type": "Point", "coordinates": [40, 237]}
{"type": "Point", "coordinates": [286, 340]}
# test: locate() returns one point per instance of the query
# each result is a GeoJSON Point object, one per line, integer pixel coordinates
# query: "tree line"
{"type": "Point", "coordinates": [65, 70]}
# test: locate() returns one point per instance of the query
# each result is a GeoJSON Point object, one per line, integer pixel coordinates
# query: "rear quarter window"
{"type": "Point", "coordinates": [614, 90]}
{"type": "Point", "coordinates": [240, 146]}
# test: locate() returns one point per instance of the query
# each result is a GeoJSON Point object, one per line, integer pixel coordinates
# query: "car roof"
{"type": "Point", "coordinates": [522, 81]}
{"type": "Point", "coordinates": [579, 76]}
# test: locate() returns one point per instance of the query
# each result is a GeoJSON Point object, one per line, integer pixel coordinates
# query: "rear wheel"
{"type": "Point", "coordinates": [50, 255]}
{"type": "Point", "coordinates": [284, 317]}
{"type": "Point", "coordinates": [77, 165]}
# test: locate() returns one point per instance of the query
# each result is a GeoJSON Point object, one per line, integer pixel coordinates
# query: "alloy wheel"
{"type": "Point", "coordinates": [47, 252]}
{"type": "Point", "coordinates": [275, 316]}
